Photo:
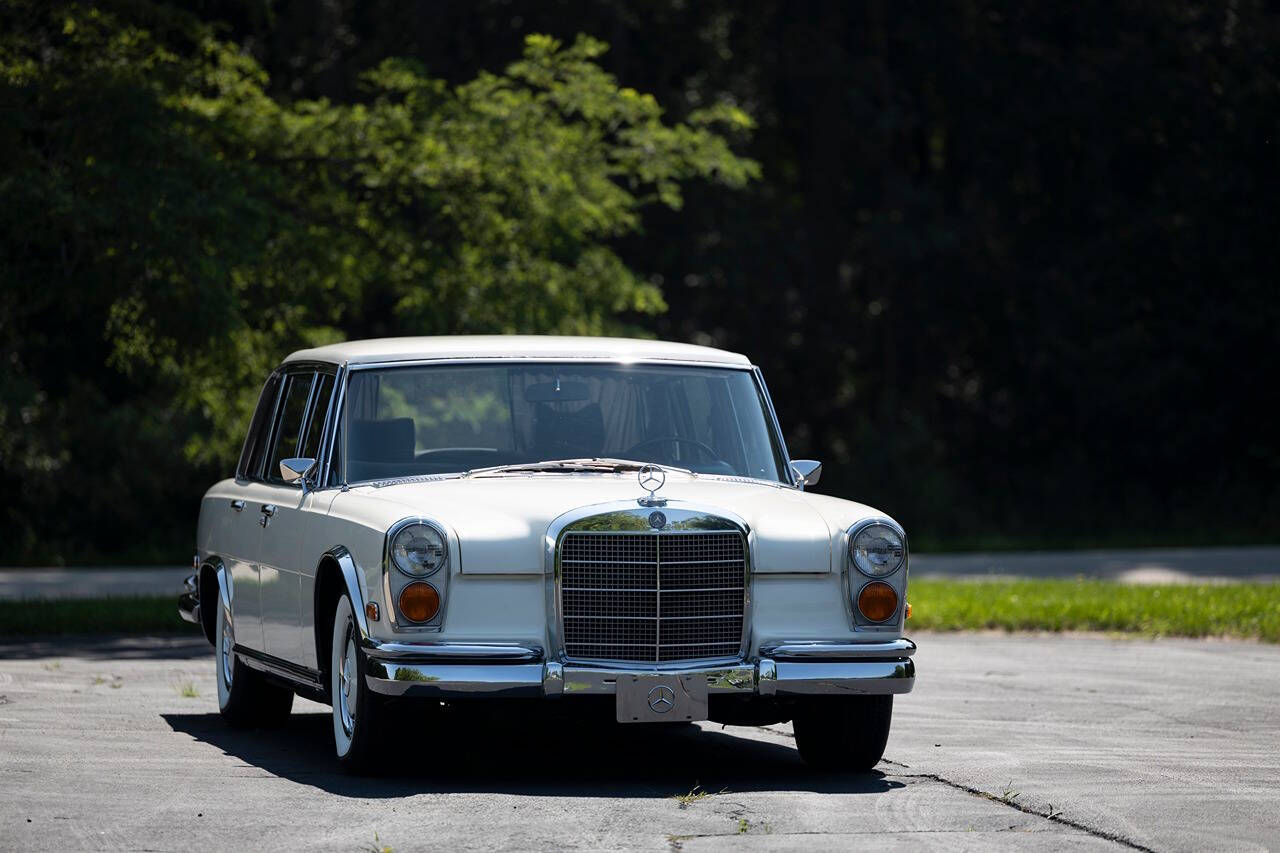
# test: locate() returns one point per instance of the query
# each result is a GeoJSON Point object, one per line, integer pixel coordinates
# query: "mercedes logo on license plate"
{"type": "Point", "coordinates": [662, 699]}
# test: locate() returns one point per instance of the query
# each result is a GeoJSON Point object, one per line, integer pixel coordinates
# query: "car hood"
{"type": "Point", "coordinates": [499, 523]}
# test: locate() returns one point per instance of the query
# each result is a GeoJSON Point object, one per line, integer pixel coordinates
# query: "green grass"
{"type": "Point", "coordinates": [1231, 610]}
{"type": "Point", "coordinates": [1249, 611]}
{"type": "Point", "coordinates": [137, 615]}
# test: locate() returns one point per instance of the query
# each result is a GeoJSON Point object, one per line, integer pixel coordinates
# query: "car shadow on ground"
{"type": "Point", "coordinates": [529, 756]}
{"type": "Point", "coordinates": [188, 646]}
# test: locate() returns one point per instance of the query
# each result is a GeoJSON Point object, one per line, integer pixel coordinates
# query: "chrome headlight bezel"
{"type": "Point", "coordinates": [406, 526]}
{"type": "Point", "coordinates": [871, 526]}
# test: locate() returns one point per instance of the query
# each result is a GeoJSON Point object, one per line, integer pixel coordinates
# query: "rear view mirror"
{"type": "Point", "coordinates": [557, 392]}
{"type": "Point", "coordinates": [293, 470]}
{"type": "Point", "coordinates": [807, 471]}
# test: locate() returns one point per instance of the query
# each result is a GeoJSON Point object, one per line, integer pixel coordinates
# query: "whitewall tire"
{"type": "Point", "coordinates": [245, 698]}
{"type": "Point", "coordinates": [356, 710]}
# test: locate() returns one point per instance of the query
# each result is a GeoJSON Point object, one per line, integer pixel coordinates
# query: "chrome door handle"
{"type": "Point", "coordinates": [237, 505]}
{"type": "Point", "coordinates": [268, 510]}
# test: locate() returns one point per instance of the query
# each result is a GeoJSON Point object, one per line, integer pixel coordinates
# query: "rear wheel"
{"type": "Point", "coordinates": [843, 732]}
{"type": "Point", "coordinates": [245, 698]}
{"type": "Point", "coordinates": [357, 711]}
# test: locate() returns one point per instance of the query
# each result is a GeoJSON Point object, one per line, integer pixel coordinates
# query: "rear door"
{"type": "Point", "coordinates": [236, 522]}
{"type": "Point", "coordinates": [275, 506]}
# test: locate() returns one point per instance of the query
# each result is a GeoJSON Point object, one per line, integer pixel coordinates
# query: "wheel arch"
{"type": "Point", "coordinates": [213, 594]}
{"type": "Point", "coordinates": [336, 573]}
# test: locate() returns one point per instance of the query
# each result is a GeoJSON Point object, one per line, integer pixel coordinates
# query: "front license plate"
{"type": "Point", "coordinates": [661, 698]}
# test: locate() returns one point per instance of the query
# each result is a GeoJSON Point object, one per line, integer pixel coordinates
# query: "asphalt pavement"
{"type": "Point", "coordinates": [1010, 742]}
{"type": "Point", "coordinates": [1167, 565]}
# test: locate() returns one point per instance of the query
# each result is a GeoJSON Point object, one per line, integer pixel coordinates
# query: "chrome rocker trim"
{"type": "Point", "coordinates": [466, 670]}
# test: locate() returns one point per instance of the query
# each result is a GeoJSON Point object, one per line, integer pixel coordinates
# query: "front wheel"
{"type": "Point", "coordinates": [245, 698]}
{"type": "Point", "coordinates": [357, 710]}
{"type": "Point", "coordinates": [843, 732]}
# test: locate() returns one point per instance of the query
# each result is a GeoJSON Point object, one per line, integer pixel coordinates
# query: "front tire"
{"type": "Point", "coordinates": [357, 711]}
{"type": "Point", "coordinates": [245, 698]}
{"type": "Point", "coordinates": [843, 732]}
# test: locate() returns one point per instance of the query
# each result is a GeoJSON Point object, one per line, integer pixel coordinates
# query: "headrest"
{"type": "Point", "coordinates": [569, 435]}
{"type": "Point", "coordinates": [382, 441]}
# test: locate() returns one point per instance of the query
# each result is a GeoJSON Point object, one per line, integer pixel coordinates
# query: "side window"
{"type": "Point", "coordinates": [293, 409]}
{"type": "Point", "coordinates": [315, 421]}
{"type": "Point", "coordinates": [255, 444]}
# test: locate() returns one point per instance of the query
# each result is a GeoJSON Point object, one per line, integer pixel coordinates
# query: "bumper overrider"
{"type": "Point", "coordinates": [476, 670]}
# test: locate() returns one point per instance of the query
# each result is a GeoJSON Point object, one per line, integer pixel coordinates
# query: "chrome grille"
{"type": "Point", "coordinates": [652, 597]}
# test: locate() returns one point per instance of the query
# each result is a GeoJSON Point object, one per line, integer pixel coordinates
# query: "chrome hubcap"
{"type": "Point", "coordinates": [347, 686]}
{"type": "Point", "coordinates": [227, 655]}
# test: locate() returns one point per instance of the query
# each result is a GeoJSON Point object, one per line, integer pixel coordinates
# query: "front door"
{"type": "Point", "coordinates": [282, 510]}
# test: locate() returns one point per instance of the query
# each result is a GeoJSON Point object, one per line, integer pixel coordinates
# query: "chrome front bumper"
{"type": "Point", "coordinates": [457, 671]}
{"type": "Point", "coordinates": [189, 600]}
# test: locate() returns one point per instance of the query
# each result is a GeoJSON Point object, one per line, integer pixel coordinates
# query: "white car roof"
{"type": "Point", "coordinates": [516, 346]}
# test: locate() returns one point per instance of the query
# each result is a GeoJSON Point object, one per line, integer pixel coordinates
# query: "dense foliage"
{"type": "Point", "coordinates": [1007, 267]}
{"type": "Point", "coordinates": [172, 229]}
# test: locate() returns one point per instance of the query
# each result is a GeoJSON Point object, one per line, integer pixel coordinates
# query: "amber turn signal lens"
{"type": "Point", "coordinates": [419, 602]}
{"type": "Point", "coordinates": [908, 609]}
{"type": "Point", "coordinates": [877, 601]}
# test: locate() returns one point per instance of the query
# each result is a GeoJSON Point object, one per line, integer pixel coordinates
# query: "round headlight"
{"type": "Point", "coordinates": [419, 550]}
{"type": "Point", "coordinates": [877, 550]}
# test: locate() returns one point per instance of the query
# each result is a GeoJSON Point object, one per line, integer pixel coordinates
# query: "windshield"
{"type": "Point", "coordinates": [411, 421]}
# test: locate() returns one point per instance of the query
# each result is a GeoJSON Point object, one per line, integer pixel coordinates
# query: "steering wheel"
{"type": "Point", "coordinates": [676, 439]}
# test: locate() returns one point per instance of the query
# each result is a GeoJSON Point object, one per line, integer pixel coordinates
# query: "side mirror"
{"type": "Point", "coordinates": [298, 468]}
{"type": "Point", "coordinates": [807, 471]}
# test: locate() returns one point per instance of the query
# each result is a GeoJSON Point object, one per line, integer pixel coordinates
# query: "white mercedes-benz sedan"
{"type": "Point", "coordinates": [464, 519]}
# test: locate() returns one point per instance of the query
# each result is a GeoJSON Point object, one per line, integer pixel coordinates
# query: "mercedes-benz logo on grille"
{"type": "Point", "coordinates": [651, 478]}
{"type": "Point", "coordinates": [662, 699]}
{"type": "Point", "coordinates": [657, 520]}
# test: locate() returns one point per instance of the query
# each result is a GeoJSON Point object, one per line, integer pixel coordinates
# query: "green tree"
{"type": "Point", "coordinates": [170, 229]}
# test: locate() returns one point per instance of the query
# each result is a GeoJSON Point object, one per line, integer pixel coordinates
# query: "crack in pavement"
{"type": "Point", "coordinates": [987, 795]}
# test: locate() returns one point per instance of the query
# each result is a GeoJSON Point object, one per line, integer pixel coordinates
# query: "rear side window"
{"type": "Point", "coordinates": [293, 409]}
{"type": "Point", "coordinates": [255, 444]}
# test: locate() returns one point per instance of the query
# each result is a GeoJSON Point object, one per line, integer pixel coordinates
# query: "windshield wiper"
{"type": "Point", "coordinates": [595, 463]}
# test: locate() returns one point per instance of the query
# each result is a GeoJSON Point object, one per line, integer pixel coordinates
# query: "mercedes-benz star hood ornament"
{"type": "Point", "coordinates": [652, 478]}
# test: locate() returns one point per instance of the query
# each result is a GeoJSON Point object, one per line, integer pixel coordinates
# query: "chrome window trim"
{"type": "Point", "coordinates": [677, 511]}
{"type": "Point", "coordinates": [255, 476]}
{"type": "Point", "coordinates": [331, 424]}
{"type": "Point", "coordinates": [440, 577]}
{"type": "Point", "coordinates": [849, 573]}
{"type": "Point", "coordinates": [285, 371]}
{"type": "Point", "coordinates": [777, 430]}
{"type": "Point", "coordinates": [530, 359]}
{"type": "Point", "coordinates": [347, 369]}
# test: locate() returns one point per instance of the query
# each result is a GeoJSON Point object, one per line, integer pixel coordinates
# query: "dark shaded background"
{"type": "Point", "coordinates": [1009, 271]}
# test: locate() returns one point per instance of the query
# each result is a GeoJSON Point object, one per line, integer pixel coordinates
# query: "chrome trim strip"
{"type": "Point", "coordinates": [454, 652]}
{"type": "Point", "coordinates": [455, 681]}
{"type": "Point", "coordinates": [279, 667]}
{"type": "Point", "coordinates": [189, 599]}
{"type": "Point", "coordinates": [538, 359]}
{"type": "Point", "coordinates": [767, 678]}
{"type": "Point", "coordinates": [351, 578]}
{"type": "Point", "coordinates": [861, 678]}
{"type": "Point", "coordinates": [819, 650]}
{"type": "Point", "coordinates": [777, 428]}
{"type": "Point", "coordinates": [589, 681]}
